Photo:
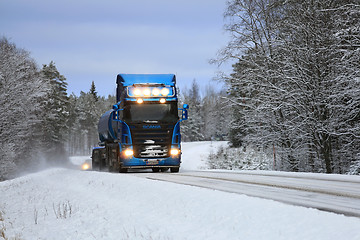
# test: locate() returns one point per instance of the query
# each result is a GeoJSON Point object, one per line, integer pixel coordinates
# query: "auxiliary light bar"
{"type": "Point", "coordinates": [140, 100]}
{"type": "Point", "coordinates": [150, 91]}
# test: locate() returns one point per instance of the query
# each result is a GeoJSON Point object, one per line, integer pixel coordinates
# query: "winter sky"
{"type": "Point", "coordinates": [95, 40]}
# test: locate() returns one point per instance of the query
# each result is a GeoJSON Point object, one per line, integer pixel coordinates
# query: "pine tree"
{"type": "Point", "coordinates": [192, 129]}
{"type": "Point", "coordinates": [85, 113]}
{"type": "Point", "coordinates": [57, 113]}
{"type": "Point", "coordinates": [93, 91]}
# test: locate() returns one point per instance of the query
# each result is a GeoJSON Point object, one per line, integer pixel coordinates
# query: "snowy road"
{"type": "Point", "coordinates": [60, 204]}
{"type": "Point", "coordinates": [72, 204]}
{"type": "Point", "coordinates": [333, 193]}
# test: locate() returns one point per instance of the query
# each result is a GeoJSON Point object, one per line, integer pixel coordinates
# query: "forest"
{"type": "Point", "coordinates": [295, 85]}
{"type": "Point", "coordinates": [41, 125]}
{"type": "Point", "coordinates": [293, 94]}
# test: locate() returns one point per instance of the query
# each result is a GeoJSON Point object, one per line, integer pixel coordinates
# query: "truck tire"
{"type": "Point", "coordinates": [175, 169]}
{"type": "Point", "coordinates": [102, 165]}
{"type": "Point", "coordinates": [155, 169]}
{"type": "Point", "coordinates": [94, 163]}
{"type": "Point", "coordinates": [96, 158]}
{"type": "Point", "coordinates": [95, 166]}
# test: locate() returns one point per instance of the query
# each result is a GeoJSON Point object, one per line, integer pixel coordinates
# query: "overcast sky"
{"type": "Point", "coordinates": [95, 40]}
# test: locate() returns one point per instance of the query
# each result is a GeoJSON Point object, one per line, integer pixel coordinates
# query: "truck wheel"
{"type": "Point", "coordinates": [123, 170]}
{"type": "Point", "coordinates": [94, 163]}
{"type": "Point", "coordinates": [101, 165]}
{"type": "Point", "coordinates": [164, 169]}
{"type": "Point", "coordinates": [155, 169]}
{"type": "Point", "coordinates": [114, 168]}
{"type": "Point", "coordinates": [95, 166]}
{"type": "Point", "coordinates": [175, 169]}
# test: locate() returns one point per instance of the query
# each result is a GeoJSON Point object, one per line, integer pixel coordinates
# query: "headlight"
{"type": "Point", "coordinates": [85, 166]}
{"type": "Point", "coordinates": [175, 151]}
{"type": "Point", "coordinates": [128, 152]}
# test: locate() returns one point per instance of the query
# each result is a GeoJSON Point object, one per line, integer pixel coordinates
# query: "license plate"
{"type": "Point", "coordinates": [152, 162]}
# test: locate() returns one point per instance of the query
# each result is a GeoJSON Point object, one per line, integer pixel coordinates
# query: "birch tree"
{"type": "Point", "coordinates": [295, 81]}
{"type": "Point", "coordinates": [21, 91]}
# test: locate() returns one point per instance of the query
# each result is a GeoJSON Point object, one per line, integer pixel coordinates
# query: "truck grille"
{"type": "Point", "coordinates": [152, 151]}
{"type": "Point", "coordinates": [151, 140]}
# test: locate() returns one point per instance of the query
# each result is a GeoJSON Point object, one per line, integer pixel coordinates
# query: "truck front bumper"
{"type": "Point", "coordinates": [134, 162]}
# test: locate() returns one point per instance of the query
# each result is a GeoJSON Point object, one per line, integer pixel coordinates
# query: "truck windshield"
{"type": "Point", "coordinates": [165, 112]}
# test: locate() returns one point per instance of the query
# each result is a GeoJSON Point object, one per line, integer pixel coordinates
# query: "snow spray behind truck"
{"type": "Point", "coordinates": [143, 128]}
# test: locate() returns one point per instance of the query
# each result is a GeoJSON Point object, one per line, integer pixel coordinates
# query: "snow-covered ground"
{"type": "Point", "coordinates": [74, 204]}
{"type": "Point", "coordinates": [194, 154]}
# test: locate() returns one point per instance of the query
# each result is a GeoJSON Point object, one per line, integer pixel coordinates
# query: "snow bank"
{"type": "Point", "coordinates": [195, 154]}
{"type": "Point", "coordinates": [78, 160]}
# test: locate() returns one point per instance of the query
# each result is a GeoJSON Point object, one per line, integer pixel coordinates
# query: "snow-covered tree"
{"type": "Point", "coordinates": [192, 129]}
{"type": "Point", "coordinates": [319, 63]}
{"type": "Point", "coordinates": [209, 114]}
{"type": "Point", "coordinates": [21, 91]}
{"type": "Point", "coordinates": [56, 115]}
{"type": "Point", "coordinates": [295, 85]}
{"type": "Point", "coordinates": [85, 112]}
{"type": "Point", "coordinates": [93, 92]}
{"type": "Point", "coordinates": [215, 114]}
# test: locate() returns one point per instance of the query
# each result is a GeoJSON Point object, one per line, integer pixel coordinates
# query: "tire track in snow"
{"type": "Point", "coordinates": [332, 195]}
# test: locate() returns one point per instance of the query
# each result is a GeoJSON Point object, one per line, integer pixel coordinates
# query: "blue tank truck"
{"type": "Point", "coordinates": [143, 128]}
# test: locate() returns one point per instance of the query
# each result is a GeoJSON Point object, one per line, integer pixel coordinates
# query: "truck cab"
{"type": "Point", "coordinates": [143, 128]}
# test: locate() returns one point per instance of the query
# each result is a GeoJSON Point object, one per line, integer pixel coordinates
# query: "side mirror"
{"type": "Point", "coordinates": [116, 111]}
{"type": "Point", "coordinates": [184, 115]}
{"type": "Point", "coordinates": [116, 107]}
{"type": "Point", "coordinates": [185, 112]}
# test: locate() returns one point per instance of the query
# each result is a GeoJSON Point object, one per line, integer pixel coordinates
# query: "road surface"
{"type": "Point", "coordinates": [333, 193]}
